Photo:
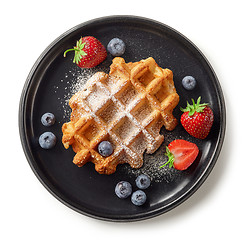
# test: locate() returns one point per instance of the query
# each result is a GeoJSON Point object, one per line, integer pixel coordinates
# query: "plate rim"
{"type": "Point", "coordinates": [152, 213]}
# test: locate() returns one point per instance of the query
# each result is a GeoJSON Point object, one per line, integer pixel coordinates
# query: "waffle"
{"type": "Point", "coordinates": [128, 107]}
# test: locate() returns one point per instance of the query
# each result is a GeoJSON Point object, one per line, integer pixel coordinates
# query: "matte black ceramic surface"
{"type": "Point", "coordinates": [83, 189]}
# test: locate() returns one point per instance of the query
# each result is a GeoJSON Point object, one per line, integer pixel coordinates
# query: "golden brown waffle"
{"type": "Point", "coordinates": [128, 107]}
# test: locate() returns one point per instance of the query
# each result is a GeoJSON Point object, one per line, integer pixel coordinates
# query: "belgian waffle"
{"type": "Point", "coordinates": [128, 107]}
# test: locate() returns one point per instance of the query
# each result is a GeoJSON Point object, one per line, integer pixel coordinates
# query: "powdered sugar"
{"type": "Point", "coordinates": [73, 82]}
{"type": "Point", "coordinates": [152, 164]}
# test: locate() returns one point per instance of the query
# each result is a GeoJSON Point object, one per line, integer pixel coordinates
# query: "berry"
{"type": "Point", "coordinates": [181, 154]}
{"type": "Point", "coordinates": [105, 149]}
{"type": "Point", "coordinates": [138, 198]}
{"type": "Point", "coordinates": [89, 52]}
{"type": "Point", "coordinates": [116, 47]}
{"type": "Point", "coordinates": [197, 119]}
{"type": "Point", "coordinates": [143, 181]}
{"type": "Point", "coordinates": [47, 140]}
{"type": "Point", "coordinates": [189, 82]}
{"type": "Point", "coordinates": [48, 119]}
{"type": "Point", "coordinates": [123, 189]}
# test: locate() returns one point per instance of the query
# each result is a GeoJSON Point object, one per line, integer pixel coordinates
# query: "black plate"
{"type": "Point", "coordinates": [83, 189]}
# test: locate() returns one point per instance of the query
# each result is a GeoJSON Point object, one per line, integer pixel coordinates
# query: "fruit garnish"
{"type": "Point", "coordinates": [197, 119]}
{"type": "Point", "coordinates": [89, 52]}
{"type": "Point", "coordinates": [116, 47]}
{"type": "Point", "coordinates": [123, 189]}
{"type": "Point", "coordinates": [47, 140]}
{"type": "Point", "coordinates": [48, 119]}
{"type": "Point", "coordinates": [138, 198]}
{"type": "Point", "coordinates": [143, 181]}
{"type": "Point", "coordinates": [105, 149]}
{"type": "Point", "coordinates": [189, 82]}
{"type": "Point", "coordinates": [181, 154]}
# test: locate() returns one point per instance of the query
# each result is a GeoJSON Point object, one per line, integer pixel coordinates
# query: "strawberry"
{"type": "Point", "coordinates": [89, 52]}
{"type": "Point", "coordinates": [181, 154]}
{"type": "Point", "coordinates": [197, 119]}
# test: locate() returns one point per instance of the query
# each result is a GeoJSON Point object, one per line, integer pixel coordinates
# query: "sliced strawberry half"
{"type": "Point", "coordinates": [181, 154]}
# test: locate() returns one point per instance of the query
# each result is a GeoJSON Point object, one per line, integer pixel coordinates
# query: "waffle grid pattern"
{"type": "Point", "coordinates": [123, 108]}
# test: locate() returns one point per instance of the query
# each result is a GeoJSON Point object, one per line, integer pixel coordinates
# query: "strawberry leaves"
{"type": "Point", "coordinates": [196, 107]}
{"type": "Point", "coordinates": [170, 158]}
{"type": "Point", "coordinates": [79, 52]}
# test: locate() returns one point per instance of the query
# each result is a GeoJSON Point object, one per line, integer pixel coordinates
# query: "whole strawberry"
{"type": "Point", "coordinates": [89, 52]}
{"type": "Point", "coordinates": [197, 119]}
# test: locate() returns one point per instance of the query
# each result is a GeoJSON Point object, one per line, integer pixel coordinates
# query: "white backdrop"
{"type": "Point", "coordinates": [28, 211]}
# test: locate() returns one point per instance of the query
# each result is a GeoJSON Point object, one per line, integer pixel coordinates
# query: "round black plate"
{"type": "Point", "coordinates": [83, 189]}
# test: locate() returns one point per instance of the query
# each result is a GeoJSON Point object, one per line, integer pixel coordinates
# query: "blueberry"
{"type": "Point", "coordinates": [189, 82]}
{"type": "Point", "coordinates": [138, 198]}
{"type": "Point", "coordinates": [48, 119]}
{"type": "Point", "coordinates": [47, 140]}
{"type": "Point", "coordinates": [143, 181]}
{"type": "Point", "coordinates": [116, 47]}
{"type": "Point", "coordinates": [105, 149]}
{"type": "Point", "coordinates": [123, 189]}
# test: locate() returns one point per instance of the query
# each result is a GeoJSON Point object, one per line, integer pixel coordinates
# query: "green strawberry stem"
{"type": "Point", "coordinates": [79, 53]}
{"type": "Point", "coordinates": [196, 107]}
{"type": "Point", "coordinates": [170, 158]}
{"type": "Point", "coordinates": [69, 50]}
